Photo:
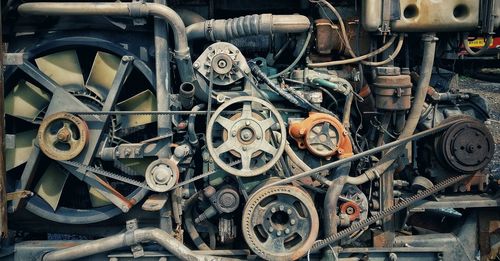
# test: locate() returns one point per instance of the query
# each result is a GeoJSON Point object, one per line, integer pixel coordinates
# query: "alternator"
{"type": "Point", "coordinates": [226, 61]}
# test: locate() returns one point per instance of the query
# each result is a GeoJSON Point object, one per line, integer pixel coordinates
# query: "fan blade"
{"type": "Point", "coordinates": [51, 184]}
{"type": "Point", "coordinates": [63, 68]}
{"type": "Point", "coordinates": [97, 199]}
{"type": "Point", "coordinates": [26, 101]}
{"type": "Point", "coordinates": [144, 101]}
{"type": "Point", "coordinates": [20, 151]}
{"type": "Point", "coordinates": [102, 74]}
{"type": "Point", "coordinates": [137, 165]}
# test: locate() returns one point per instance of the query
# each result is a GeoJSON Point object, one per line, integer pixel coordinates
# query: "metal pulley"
{"type": "Point", "coordinates": [161, 175]}
{"type": "Point", "coordinates": [62, 136]}
{"type": "Point", "coordinates": [467, 146]}
{"type": "Point", "coordinates": [280, 223]}
{"type": "Point", "coordinates": [246, 136]}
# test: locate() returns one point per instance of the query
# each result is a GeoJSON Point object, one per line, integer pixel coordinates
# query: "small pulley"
{"type": "Point", "coordinates": [62, 136]}
{"type": "Point", "coordinates": [246, 136]}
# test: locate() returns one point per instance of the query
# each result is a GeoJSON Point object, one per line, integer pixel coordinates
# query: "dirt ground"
{"type": "Point", "coordinates": [490, 91]}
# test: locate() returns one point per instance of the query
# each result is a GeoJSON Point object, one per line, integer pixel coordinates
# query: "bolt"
{"type": "Point", "coordinates": [282, 207]}
{"type": "Point", "coordinates": [287, 231]}
{"type": "Point", "coordinates": [196, 65]}
{"type": "Point", "coordinates": [273, 210]}
{"type": "Point", "coordinates": [271, 229]}
{"type": "Point", "coordinates": [127, 58]}
{"type": "Point", "coordinates": [292, 222]}
{"type": "Point", "coordinates": [259, 137]}
{"type": "Point", "coordinates": [247, 123]}
{"type": "Point", "coordinates": [222, 64]}
{"type": "Point", "coordinates": [278, 233]}
{"type": "Point", "coordinates": [289, 211]}
{"type": "Point", "coordinates": [233, 133]}
{"type": "Point", "coordinates": [244, 148]}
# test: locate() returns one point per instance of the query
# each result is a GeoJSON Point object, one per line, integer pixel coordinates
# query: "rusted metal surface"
{"type": "Point", "coordinates": [323, 135]}
{"type": "Point", "coordinates": [392, 90]}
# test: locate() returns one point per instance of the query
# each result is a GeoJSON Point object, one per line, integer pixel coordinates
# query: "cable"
{"type": "Point", "coordinates": [356, 59]}
{"type": "Point", "coordinates": [481, 51]}
{"type": "Point", "coordinates": [391, 57]}
{"type": "Point", "coordinates": [297, 59]}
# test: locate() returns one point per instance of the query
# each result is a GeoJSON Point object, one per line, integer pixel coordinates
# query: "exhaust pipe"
{"type": "Point", "coordinates": [129, 238]}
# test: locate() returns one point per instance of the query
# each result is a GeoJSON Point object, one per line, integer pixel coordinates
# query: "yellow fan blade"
{"type": "Point", "coordinates": [26, 101]}
{"type": "Point", "coordinates": [51, 185]}
{"type": "Point", "coordinates": [63, 68]}
{"type": "Point", "coordinates": [20, 153]}
{"type": "Point", "coordinates": [97, 199]}
{"type": "Point", "coordinates": [144, 101]}
{"type": "Point", "coordinates": [102, 74]}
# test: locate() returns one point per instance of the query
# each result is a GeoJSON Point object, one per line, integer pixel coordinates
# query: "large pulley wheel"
{"type": "Point", "coordinates": [246, 136]}
{"type": "Point", "coordinates": [467, 146]}
{"type": "Point", "coordinates": [62, 136]}
{"type": "Point", "coordinates": [280, 223]}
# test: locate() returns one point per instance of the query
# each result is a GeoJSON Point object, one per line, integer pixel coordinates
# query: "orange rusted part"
{"type": "Point", "coordinates": [337, 141]}
{"type": "Point", "coordinates": [351, 209]}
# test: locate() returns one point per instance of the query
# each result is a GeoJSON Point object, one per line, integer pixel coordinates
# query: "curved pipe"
{"type": "Point", "coordinates": [129, 238]}
{"type": "Point", "coordinates": [193, 139]}
{"type": "Point", "coordinates": [481, 51]}
{"type": "Point", "coordinates": [332, 197]}
{"type": "Point", "coordinates": [227, 29]}
{"type": "Point", "coordinates": [181, 50]}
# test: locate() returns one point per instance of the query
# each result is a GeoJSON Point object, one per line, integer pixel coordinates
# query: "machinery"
{"type": "Point", "coordinates": [263, 130]}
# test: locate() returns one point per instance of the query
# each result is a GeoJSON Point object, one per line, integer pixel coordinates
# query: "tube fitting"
{"type": "Point", "coordinates": [186, 95]}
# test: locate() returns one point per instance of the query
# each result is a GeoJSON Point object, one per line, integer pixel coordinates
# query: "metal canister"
{"type": "Point", "coordinates": [392, 89]}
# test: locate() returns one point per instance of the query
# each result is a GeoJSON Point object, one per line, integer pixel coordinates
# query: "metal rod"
{"type": "Point", "coordinates": [361, 155]}
{"type": "Point", "coordinates": [3, 186]}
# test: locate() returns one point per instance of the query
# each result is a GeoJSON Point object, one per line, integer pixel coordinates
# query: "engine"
{"type": "Point", "coordinates": [274, 130]}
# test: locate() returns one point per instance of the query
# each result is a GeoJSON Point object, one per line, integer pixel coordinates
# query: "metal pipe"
{"type": "Point", "coordinates": [3, 185]}
{"type": "Point", "coordinates": [186, 95]}
{"type": "Point", "coordinates": [332, 198]}
{"type": "Point", "coordinates": [193, 139]}
{"type": "Point", "coordinates": [163, 90]}
{"type": "Point", "coordinates": [227, 29]}
{"type": "Point", "coordinates": [136, 9]}
{"type": "Point", "coordinates": [128, 239]}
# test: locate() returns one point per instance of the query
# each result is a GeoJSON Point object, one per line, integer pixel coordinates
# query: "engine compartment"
{"type": "Point", "coordinates": [275, 130]}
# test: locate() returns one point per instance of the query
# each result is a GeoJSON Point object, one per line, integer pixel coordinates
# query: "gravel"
{"type": "Point", "coordinates": [491, 92]}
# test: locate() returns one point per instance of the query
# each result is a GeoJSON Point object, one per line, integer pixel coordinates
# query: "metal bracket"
{"type": "Point", "coordinates": [137, 250]}
{"type": "Point", "coordinates": [13, 58]}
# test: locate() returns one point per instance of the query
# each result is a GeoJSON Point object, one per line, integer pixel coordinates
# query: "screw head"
{"type": "Point", "coordinates": [292, 222]}
{"type": "Point", "coordinates": [287, 231]}
{"type": "Point", "coordinates": [278, 233]}
{"type": "Point", "coordinates": [273, 210]}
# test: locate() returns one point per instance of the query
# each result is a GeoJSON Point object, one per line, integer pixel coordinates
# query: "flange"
{"type": "Point", "coordinates": [62, 136]}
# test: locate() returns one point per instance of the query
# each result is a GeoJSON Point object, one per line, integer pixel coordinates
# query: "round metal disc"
{"type": "Point", "coordinates": [62, 136]}
{"type": "Point", "coordinates": [280, 223]}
